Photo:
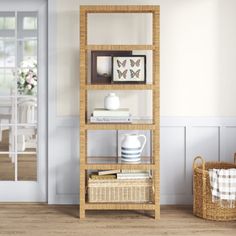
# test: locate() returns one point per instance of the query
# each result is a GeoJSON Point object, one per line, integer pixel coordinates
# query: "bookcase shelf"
{"type": "Point", "coordinates": [114, 47]}
{"type": "Point", "coordinates": [120, 206]}
{"type": "Point", "coordinates": [88, 163]}
{"type": "Point", "coordinates": [120, 9]}
{"type": "Point", "coordinates": [112, 162]}
{"type": "Point", "coordinates": [119, 166]}
{"type": "Point", "coordinates": [96, 126]}
{"type": "Point", "coordinates": [119, 87]}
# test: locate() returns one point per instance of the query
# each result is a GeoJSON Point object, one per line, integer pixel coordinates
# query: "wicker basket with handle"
{"type": "Point", "coordinates": [117, 190]}
{"type": "Point", "coordinates": [202, 198]}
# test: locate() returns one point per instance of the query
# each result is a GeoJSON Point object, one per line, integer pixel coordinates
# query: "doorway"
{"type": "Point", "coordinates": [23, 100]}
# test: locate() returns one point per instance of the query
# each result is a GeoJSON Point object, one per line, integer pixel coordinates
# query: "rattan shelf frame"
{"type": "Point", "coordinates": [119, 166]}
{"type": "Point", "coordinates": [155, 127]}
{"type": "Point", "coordinates": [119, 127]}
{"type": "Point", "coordinates": [119, 87]}
{"type": "Point", "coordinates": [121, 47]}
{"type": "Point", "coordinates": [120, 206]}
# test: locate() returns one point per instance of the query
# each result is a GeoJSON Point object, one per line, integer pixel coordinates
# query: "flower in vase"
{"type": "Point", "coordinates": [27, 78]}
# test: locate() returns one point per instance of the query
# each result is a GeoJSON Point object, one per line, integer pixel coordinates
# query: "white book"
{"type": "Point", "coordinates": [108, 172]}
{"type": "Point", "coordinates": [134, 171]}
{"type": "Point", "coordinates": [132, 175]}
{"type": "Point", "coordinates": [103, 112]}
{"type": "Point", "coordinates": [109, 119]}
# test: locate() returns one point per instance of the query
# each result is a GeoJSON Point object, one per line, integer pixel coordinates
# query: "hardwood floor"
{"type": "Point", "coordinates": [33, 220]}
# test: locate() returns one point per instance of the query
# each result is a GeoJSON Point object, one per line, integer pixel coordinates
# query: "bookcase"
{"type": "Point", "coordinates": [85, 126]}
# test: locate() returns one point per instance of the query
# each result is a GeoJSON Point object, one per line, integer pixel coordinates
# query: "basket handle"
{"type": "Point", "coordinates": [235, 158]}
{"type": "Point", "coordinates": [202, 161]}
{"type": "Point", "coordinates": [203, 184]}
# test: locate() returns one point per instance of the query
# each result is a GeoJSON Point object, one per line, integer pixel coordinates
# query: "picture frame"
{"type": "Point", "coordinates": [101, 65]}
{"type": "Point", "coordinates": [129, 69]}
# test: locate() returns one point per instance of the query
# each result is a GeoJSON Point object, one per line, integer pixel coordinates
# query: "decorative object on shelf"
{"type": "Point", "coordinates": [112, 102]}
{"type": "Point", "coordinates": [112, 190]}
{"type": "Point", "coordinates": [101, 65]}
{"type": "Point", "coordinates": [202, 191]}
{"type": "Point", "coordinates": [129, 69]}
{"type": "Point", "coordinates": [131, 147]}
{"type": "Point", "coordinates": [27, 78]}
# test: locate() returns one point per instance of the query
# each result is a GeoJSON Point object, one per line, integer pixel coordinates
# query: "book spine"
{"type": "Point", "coordinates": [110, 119]}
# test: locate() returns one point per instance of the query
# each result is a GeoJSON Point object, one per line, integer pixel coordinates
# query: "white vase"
{"type": "Point", "coordinates": [131, 147]}
{"type": "Point", "coordinates": [112, 102]}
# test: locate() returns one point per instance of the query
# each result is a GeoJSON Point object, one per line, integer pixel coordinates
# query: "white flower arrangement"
{"type": "Point", "coordinates": [27, 78]}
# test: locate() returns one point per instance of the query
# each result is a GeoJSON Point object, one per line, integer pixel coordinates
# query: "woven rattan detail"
{"type": "Point", "coordinates": [202, 199]}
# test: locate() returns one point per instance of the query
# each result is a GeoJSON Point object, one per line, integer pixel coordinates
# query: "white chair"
{"type": "Point", "coordinates": [27, 110]}
{"type": "Point", "coordinates": [27, 114]}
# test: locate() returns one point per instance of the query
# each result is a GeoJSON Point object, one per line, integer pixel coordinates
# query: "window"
{"type": "Point", "coordinates": [7, 23]}
{"type": "Point", "coordinates": [18, 94]}
{"type": "Point", "coordinates": [30, 23]}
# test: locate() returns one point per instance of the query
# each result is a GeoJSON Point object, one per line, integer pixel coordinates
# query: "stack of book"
{"type": "Point", "coordinates": [133, 174]}
{"type": "Point", "coordinates": [123, 174]}
{"type": "Point", "coordinates": [105, 174]}
{"type": "Point", "coordinates": [101, 115]}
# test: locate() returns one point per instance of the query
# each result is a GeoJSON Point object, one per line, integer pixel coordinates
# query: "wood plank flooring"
{"type": "Point", "coordinates": [48, 220]}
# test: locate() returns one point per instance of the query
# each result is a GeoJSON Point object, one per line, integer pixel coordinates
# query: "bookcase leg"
{"type": "Point", "coordinates": [157, 213]}
{"type": "Point", "coordinates": [81, 213]}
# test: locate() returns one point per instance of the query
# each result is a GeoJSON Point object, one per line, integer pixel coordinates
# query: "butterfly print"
{"type": "Point", "coordinates": [135, 63]}
{"type": "Point", "coordinates": [122, 74]}
{"type": "Point", "coordinates": [135, 73]}
{"type": "Point", "coordinates": [121, 64]}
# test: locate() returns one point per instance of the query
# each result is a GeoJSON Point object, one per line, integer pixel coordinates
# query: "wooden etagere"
{"type": "Point", "coordinates": [85, 164]}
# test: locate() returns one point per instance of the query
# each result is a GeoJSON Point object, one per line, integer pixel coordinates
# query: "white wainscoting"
{"type": "Point", "coordinates": [182, 138]}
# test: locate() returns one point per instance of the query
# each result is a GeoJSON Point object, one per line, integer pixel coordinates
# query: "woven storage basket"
{"type": "Point", "coordinates": [202, 198]}
{"type": "Point", "coordinates": [116, 190]}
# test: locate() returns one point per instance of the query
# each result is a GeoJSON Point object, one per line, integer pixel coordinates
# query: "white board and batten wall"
{"type": "Point", "coordinates": [198, 114]}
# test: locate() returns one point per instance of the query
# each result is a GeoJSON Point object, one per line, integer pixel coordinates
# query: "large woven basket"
{"type": "Point", "coordinates": [116, 190]}
{"type": "Point", "coordinates": [202, 198]}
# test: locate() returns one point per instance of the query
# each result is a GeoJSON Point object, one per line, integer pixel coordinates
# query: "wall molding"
{"type": "Point", "coordinates": [182, 138]}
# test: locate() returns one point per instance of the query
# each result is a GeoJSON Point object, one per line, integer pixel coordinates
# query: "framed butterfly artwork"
{"type": "Point", "coordinates": [101, 65]}
{"type": "Point", "coordinates": [129, 69]}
